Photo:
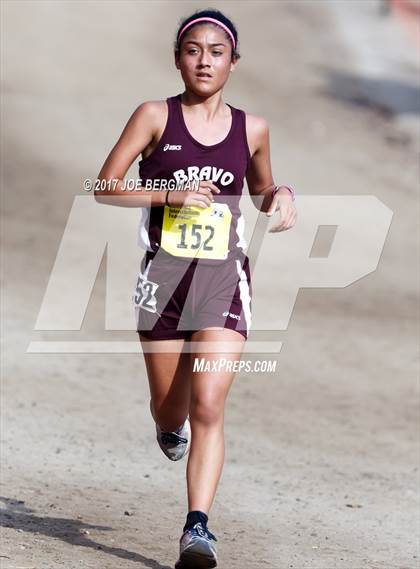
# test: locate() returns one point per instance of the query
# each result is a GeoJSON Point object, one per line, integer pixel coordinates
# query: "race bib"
{"type": "Point", "coordinates": [144, 296]}
{"type": "Point", "coordinates": [194, 232]}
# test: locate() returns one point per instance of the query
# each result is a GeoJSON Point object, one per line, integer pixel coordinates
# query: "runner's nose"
{"type": "Point", "coordinates": [203, 60]}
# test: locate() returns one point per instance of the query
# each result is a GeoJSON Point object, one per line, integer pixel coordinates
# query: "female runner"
{"type": "Point", "coordinates": [194, 283]}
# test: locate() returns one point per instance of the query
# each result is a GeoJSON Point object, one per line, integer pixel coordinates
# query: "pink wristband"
{"type": "Point", "coordinates": [276, 189]}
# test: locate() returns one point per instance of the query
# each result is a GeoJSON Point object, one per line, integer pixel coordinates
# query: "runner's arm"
{"type": "Point", "coordinates": [259, 176]}
{"type": "Point", "coordinates": [136, 136]}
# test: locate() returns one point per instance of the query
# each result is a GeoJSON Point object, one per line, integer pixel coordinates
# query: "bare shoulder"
{"type": "Point", "coordinates": [256, 123]}
{"type": "Point", "coordinates": [147, 124]}
{"type": "Point", "coordinates": [256, 131]}
{"type": "Point", "coordinates": [153, 112]}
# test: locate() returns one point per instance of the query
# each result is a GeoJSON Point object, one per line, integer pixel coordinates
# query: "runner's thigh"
{"type": "Point", "coordinates": [210, 387]}
{"type": "Point", "coordinates": [168, 371]}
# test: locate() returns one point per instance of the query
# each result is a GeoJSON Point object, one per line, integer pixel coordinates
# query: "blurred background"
{"type": "Point", "coordinates": [333, 480]}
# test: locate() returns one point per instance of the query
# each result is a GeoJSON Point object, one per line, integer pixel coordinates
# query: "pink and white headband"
{"type": "Point", "coordinates": [208, 19]}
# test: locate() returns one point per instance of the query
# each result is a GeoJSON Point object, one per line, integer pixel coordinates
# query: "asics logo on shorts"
{"type": "Point", "coordinates": [172, 147]}
{"type": "Point", "coordinates": [235, 316]}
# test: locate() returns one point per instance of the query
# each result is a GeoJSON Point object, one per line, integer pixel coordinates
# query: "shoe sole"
{"type": "Point", "coordinates": [191, 560]}
{"type": "Point", "coordinates": [187, 448]}
{"type": "Point", "coordinates": [189, 437]}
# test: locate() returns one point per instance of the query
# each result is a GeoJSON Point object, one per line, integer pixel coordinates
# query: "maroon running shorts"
{"type": "Point", "coordinates": [174, 298]}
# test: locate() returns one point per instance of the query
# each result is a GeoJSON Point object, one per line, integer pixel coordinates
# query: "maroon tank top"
{"type": "Point", "coordinates": [218, 235]}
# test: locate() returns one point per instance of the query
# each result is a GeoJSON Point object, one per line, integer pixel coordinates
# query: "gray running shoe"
{"type": "Point", "coordinates": [177, 443]}
{"type": "Point", "coordinates": [196, 551]}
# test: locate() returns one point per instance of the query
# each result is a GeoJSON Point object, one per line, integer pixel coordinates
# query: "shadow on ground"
{"type": "Point", "coordinates": [14, 514]}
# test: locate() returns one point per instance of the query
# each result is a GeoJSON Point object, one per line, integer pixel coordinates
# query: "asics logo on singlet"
{"type": "Point", "coordinates": [205, 173]}
{"type": "Point", "coordinates": [235, 316]}
{"type": "Point", "coordinates": [172, 147]}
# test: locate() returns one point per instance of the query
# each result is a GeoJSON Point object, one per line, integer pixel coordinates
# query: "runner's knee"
{"type": "Point", "coordinates": [206, 410]}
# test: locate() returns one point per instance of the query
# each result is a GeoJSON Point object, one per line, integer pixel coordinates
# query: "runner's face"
{"type": "Point", "coordinates": [207, 51]}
